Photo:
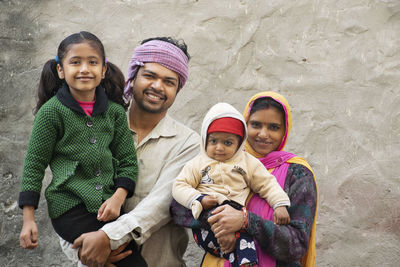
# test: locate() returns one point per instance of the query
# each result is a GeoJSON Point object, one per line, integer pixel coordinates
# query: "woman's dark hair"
{"type": "Point", "coordinates": [49, 83]}
{"type": "Point", "coordinates": [179, 43]}
{"type": "Point", "coordinates": [266, 103]}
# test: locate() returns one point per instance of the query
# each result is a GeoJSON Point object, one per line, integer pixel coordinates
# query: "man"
{"type": "Point", "coordinates": [158, 70]}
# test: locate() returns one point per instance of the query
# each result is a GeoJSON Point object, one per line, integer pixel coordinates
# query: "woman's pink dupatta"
{"type": "Point", "coordinates": [275, 160]}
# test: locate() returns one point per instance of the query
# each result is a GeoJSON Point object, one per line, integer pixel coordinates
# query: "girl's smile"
{"type": "Point", "coordinates": [83, 69]}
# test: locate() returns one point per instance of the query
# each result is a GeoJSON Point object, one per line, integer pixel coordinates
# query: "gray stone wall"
{"type": "Point", "coordinates": [337, 62]}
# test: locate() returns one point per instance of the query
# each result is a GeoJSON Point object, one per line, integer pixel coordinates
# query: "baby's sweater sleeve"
{"type": "Point", "coordinates": [184, 188]}
{"type": "Point", "coordinates": [266, 185]}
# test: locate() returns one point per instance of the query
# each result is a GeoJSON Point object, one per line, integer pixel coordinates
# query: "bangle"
{"type": "Point", "coordinates": [244, 220]}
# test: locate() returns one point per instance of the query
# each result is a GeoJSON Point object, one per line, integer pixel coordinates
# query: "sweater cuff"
{"type": "Point", "coordinates": [28, 198]}
{"type": "Point", "coordinates": [252, 219]}
{"type": "Point", "coordinates": [282, 203]}
{"type": "Point", "coordinates": [200, 198]}
{"type": "Point", "coordinates": [126, 183]}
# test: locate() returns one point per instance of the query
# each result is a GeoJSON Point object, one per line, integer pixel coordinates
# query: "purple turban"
{"type": "Point", "coordinates": [163, 53]}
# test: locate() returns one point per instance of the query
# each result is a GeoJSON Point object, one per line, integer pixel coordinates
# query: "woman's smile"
{"type": "Point", "coordinates": [265, 130]}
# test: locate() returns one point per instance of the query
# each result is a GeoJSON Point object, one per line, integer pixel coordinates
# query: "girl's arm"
{"type": "Point", "coordinates": [28, 237]}
{"type": "Point", "coordinates": [124, 153]}
{"type": "Point", "coordinates": [111, 208]}
{"type": "Point", "coordinates": [40, 150]}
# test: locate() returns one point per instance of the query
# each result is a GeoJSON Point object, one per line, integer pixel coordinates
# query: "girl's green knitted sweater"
{"type": "Point", "coordinates": [89, 157]}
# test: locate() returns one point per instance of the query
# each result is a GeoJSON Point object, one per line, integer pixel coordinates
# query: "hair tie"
{"type": "Point", "coordinates": [105, 60]}
{"type": "Point", "coordinates": [56, 59]}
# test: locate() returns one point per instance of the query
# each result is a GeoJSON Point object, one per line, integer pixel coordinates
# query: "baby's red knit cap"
{"type": "Point", "coordinates": [227, 125]}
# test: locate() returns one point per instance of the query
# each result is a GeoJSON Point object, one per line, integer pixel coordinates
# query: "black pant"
{"type": "Point", "coordinates": [78, 221]}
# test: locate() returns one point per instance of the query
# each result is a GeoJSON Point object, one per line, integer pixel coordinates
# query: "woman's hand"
{"type": "Point", "coordinates": [225, 220]}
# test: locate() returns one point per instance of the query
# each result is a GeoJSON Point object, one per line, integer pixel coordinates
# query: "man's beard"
{"type": "Point", "coordinates": [143, 107]}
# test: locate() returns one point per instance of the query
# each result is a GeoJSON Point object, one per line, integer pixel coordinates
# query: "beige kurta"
{"type": "Point", "coordinates": [161, 156]}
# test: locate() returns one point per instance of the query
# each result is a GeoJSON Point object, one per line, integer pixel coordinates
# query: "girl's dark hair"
{"type": "Point", "coordinates": [266, 103]}
{"type": "Point", "coordinates": [113, 82]}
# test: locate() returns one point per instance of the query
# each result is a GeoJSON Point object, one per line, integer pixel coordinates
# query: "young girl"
{"type": "Point", "coordinates": [81, 131]}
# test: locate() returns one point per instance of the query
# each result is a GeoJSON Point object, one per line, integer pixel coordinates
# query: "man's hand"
{"type": "Point", "coordinates": [95, 248]}
{"type": "Point", "coordinates": [117, 255]}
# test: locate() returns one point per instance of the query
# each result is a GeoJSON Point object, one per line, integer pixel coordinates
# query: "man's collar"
{"type": "Point", "coordinates": [100, 106]}
{"type": "Point", "coordinates": [166, 127]}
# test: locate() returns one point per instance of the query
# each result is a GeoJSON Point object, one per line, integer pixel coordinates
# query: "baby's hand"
{"type": "Point", "coordinates": [227, 242]}
{"type": "Point", "coordinates": [28, 237]}
{"type": "Point", "coordinates": [209, 202]}
{"type": "Point", "coordinates": [281, 215]}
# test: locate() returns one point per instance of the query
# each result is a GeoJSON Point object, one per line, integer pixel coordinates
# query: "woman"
{"type": "Point", "coordinates": [269, 121]}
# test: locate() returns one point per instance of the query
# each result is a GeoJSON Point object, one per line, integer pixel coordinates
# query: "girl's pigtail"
{"type": "Point", "coordinates": [113, 83]}
{"type": "Point", "coordinates": [48, 85]}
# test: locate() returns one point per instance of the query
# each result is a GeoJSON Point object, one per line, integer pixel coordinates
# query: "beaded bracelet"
{"type": "Point", "coordinates": [244, 220]}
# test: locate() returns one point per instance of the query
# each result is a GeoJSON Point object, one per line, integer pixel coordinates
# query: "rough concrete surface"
{"type": "Point", "coordinates": [337, 62]}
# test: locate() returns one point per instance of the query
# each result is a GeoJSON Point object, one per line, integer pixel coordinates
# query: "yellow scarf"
{"type": "Point", "coordinates": [308, 260]}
